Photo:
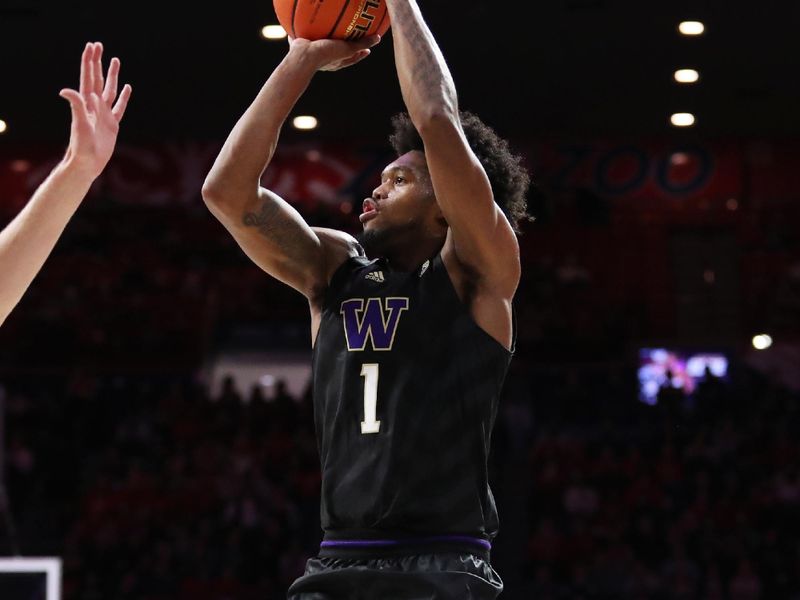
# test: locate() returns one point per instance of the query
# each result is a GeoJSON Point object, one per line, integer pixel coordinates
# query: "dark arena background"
{"type": "Point", "coordinates": [157, 435]}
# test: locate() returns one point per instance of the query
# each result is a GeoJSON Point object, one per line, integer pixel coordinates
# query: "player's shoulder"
{"type": "Point", "coordinates": [339, 247]}
{"type": "Point", "coordinates": [340, 241]}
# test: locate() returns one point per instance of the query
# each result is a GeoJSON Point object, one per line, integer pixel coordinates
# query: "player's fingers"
{"type": "Point", "coordinates": [356, 58]}
{"type": "Point", "coordinates": [367, 42]}
{"type": "Point", "coordinates": [122, 102]}
{"type": "Point", "coordinates": [347, 62]}
{"type": "Point", "coordinates": [92, 73]}
{"type": "Point", "coordinates": [98, 68]}
{"type": "Point", "coordinates": [94, 104]}
{"type": "Point", "coordinates": [86, 72]}
{"type": "Point", "coordinates": [110, 91]}
{"type": "Point", "coordinates": [80, 115]}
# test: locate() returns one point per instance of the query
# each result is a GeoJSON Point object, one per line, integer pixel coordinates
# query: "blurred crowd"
{"type": "Point", "coordinates": [693, 498]}
{"type": "Point", "coordinates": [150, 489]}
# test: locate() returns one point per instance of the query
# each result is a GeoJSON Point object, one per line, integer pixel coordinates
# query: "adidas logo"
{"type": "Point", "coordinates": [376, 276]}
{"type": "Point", "coordinates": [424, 268]}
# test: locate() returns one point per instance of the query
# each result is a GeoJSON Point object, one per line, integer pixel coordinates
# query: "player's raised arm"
{"type": "Point", "coordinates": [269, 230]}
{"type": "Point", "coordinates": [96, 113]}
{"type": "Point", "coordinates": [482, 238]}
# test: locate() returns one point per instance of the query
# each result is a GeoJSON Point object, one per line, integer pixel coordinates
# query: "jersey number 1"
{"type": "Point", "coordinates": [370, 374]}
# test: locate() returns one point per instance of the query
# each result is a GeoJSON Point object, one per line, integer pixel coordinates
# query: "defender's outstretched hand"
{"type": "Point", "coordinates": [96, 111]}
{"type": "Point", "coordinates": [333, 55]}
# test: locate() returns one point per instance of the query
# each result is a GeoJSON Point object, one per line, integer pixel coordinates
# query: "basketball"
{"type": "Point", "coordinates": [348, 20]}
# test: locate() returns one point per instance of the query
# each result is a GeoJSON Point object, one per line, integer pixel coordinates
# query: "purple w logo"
{"type": "Point", "coordinates": [376, 322]}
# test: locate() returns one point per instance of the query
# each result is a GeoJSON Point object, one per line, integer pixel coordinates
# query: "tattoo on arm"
{"type": "Point", "coordinates": [274, 225]}
{"type": "Point", "coordinates": [430, 73]}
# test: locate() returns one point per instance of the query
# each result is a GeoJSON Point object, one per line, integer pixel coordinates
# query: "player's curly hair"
{"type": "Point", "coordinates": [507, 175]}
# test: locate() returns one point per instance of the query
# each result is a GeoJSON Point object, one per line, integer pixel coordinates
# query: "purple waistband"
{"type": "Point", "coordinates": [458, 539]}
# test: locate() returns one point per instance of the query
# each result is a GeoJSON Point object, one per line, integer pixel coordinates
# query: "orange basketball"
{"type": "Point", "coordinates": [338, 19]}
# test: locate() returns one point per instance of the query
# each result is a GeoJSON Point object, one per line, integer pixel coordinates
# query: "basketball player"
{"type": "Point", "coordinates": [28, 240]}
{"type": "Point", "coordinates": [412, 327]}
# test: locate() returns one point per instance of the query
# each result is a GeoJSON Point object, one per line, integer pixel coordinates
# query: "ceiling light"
{"type": "Point", "coordinates": [691, 28]}
{"type": "Point", "coordinates": [305, 122]}
{"type": "Point", "coordinates": [682, 119]}
{"type": "Point", "coordinates": [686, 76]}
{"type": "Point", "coordinates": [273, 32]}
{"type": "Point", "coordinates": [762, 341]}
{"type": "Point", "coordinates": [3, 126]}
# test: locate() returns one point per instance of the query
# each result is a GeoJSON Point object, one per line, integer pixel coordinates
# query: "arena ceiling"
{"type": "Point", "coordinates": [534, 69]}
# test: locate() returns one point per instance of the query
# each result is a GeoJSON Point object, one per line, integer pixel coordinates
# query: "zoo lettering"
{"type": "Point", "coordinates": [646, 167]}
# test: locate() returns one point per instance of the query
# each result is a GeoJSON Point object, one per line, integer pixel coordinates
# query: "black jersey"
{"type": "Point", "coordinates": [406, 386]}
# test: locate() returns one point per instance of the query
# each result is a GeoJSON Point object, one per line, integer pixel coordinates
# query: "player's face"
{"type": "Point", "coordinates": [404, 199]}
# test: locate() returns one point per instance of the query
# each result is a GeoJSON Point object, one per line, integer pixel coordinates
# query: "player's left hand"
{"type": "Point", "coordinates": [333, 55]}
{"type": "Point", "coordinates": [95, 114]}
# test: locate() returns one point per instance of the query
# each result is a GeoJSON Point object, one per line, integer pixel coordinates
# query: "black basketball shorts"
{"type": "Point", "coordinates": [440, 576]}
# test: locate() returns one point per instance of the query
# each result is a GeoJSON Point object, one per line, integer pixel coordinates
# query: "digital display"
{"type": "Point", "coordinates": [680, 369]}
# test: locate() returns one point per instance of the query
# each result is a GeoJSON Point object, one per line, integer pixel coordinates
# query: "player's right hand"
{"type": "Point", "coordinates": [96, 112]}
{"type": "Point", "coordinates": [332, 55]}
